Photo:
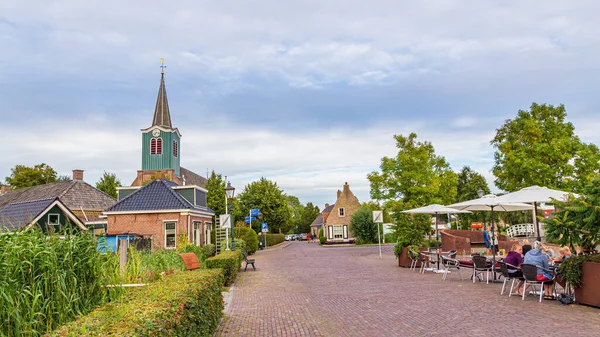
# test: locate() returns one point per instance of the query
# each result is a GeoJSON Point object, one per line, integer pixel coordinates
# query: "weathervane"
{"type": "Point", "coordinates": [162, 65]}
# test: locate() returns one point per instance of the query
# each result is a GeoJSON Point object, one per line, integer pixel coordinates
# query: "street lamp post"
{"type": "Point", "coordinates": [229, 191]}
{"type": "Point", "coordinates": [480, 193]}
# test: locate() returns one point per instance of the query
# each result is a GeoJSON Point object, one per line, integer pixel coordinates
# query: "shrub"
{"type": "Point", "coordinates": [320, 232]}
{"type": "Point", "coordinates": [182, 304]}
{"type": "Point", "coordinates": [362, 225]}
{"type": "Point", "coordinates": [249, 236]}
{"type": "Point", "coordinates": [46, 281]}
{"type": "Point", "coordinates": [273, 239]}
{"type": "Point", "coordinates": [239, 245]}
{"type": "Point", "coordinates": [229, 261]}
{"type": "Point", "coordinates": [190, 248]}
{"type": "Point", "coordinates": [322, 240]}
{"type": "Point", "coordinates": [209, 250]}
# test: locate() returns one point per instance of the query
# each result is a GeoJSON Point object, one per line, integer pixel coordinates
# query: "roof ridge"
{"type": "Point", "coordinates": [129, 196]}
{"type": "Point", "coordinates": [101, 191]}
{"type": "Point", "coordinates": [73, 183]}
{"type": "Point", "coordinates": [28, 201]}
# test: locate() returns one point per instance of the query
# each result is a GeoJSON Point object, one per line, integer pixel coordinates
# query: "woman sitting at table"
{"type": "Point", "coordinates": [514, 259]}
{"type": "Point", "coordinates": [538, 258]}
{"type": "Point", "coordinates": [564, 253]}
{"type": "Point", "coordinates": [526, 247]}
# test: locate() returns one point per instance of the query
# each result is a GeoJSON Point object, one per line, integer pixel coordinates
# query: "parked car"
{"type": "Point", "coordinates": [302, 237]}
{"type": "Point", "coordinates": [290, 237]}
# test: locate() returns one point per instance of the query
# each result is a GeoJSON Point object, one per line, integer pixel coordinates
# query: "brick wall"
{"type": "Point", "coordinates": [347, 200]}
{"type": "Point", "coordinates": [152, 225]}
{"type": "Point", "coordinates": [143, 176]}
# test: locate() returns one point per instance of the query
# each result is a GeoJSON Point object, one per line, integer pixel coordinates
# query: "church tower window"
{"type": "Point", "coordinates": [156, 146]}
{"type": "Point", "coordinates": [175, 148]}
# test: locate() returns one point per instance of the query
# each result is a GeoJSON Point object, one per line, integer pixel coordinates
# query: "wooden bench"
{"type": "Point", "coordinates": [190, 260]}
{"type": "Point", "coordinates": [248, 261]}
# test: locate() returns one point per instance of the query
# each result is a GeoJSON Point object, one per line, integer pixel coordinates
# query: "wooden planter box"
{"type": "Point", "coordinates": [588, 293]}
{"type": "Point", "coordinates": [404, 260]}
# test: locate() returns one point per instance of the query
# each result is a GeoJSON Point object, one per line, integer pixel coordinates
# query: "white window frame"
{"type": "Point", "coordinates": [330, 232]}
{"type": "Point", "coordinates": [345, 232]}
{"type": "Point", "coordinates": [207, 230]}
{"type": "Point", "coordinates": [338, 232]}
{"type": "Point", "coordinates": [341, 212]}
{"type": "Point", "coordinates": [169, 232]}
{"type": "Point", "coordinates": [54, 224]}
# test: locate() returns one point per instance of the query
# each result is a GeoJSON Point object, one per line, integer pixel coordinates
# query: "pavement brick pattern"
{"type": "Point", "coordinates": [302, 289]}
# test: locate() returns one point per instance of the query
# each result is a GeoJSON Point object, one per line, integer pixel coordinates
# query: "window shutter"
{"type": "Point", "coordinates": [345, 231]}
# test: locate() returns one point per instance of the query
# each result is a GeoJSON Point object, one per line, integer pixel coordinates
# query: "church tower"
{"type": "Point", "coordinates": [161, 144]}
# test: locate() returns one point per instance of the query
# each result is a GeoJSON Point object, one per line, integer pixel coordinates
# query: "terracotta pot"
{"type": "Point", "coordinates": [588, 293]}
{"type": "Point", "coordinates": [404, 260]}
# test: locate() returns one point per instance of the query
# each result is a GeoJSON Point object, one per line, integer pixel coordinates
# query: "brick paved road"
{"type": "Point", "coordinates": [350, 292]}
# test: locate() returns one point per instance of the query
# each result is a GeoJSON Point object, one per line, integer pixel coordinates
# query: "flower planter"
{"type": "Point", "coordinates": [588, 293]}
{"type": "Point", "coordinates": [404, 260]}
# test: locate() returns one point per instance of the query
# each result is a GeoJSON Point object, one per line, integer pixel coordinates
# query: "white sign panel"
{"type": "Point", "coordinates": [378, 216]}
{"type": "Point", "coordinates": [224, 220]}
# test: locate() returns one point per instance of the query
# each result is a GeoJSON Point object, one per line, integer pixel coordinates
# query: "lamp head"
{"type": "Point", "coordinates": [229, 190]}
{"type": "Point", "coordinates": [480, 193]}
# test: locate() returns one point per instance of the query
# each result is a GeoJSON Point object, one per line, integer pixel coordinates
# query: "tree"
{"type": "Point", "coordinates": [469, 184]}
{"type": "Point", "coordinates": [296, 210]}
{"type": "Point", "coordinates": [309, 214]}
{"type": "Point", "coordinates": [362, 225]}
{"type": "Point", "coordinates": [108, 184]}
{"type": "Point", "coordinates": [272, 202]}
{"type": "Point", "coordinates": [539, 147]}
{"type": "Point", "coordinates": [215, 198]}
{"type": "Point", "coordinates": [416, 176]}
{"type": "Point", "coordinates": [23, 176]}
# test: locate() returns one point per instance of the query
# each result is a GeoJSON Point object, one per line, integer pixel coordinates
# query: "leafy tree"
{"type": "Point", "coordinates": [309, 214]}
{"type": "Point", "coordinates": [539, 147]}
{"type": "Point", "coordinates": [296, 210]}
{"type": "Point", "coordinates": [272, 202]}
{"type": "Point", "coordinates": [108, 184]}
{"type": "Point", "coordinates": [577, 223]}
{"type": "Point", "coordinates": [362, 225]}
{"type": "Point", "coordinates": [215, 198]}
{"type": "Point", "coordinates": [23, 176]}
{"type": "Point", "coordinates": [469, 183]}
{"type": "Point", "coordinates": [416, 176]}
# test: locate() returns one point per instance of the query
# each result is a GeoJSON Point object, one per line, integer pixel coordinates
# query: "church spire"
{"type": "Point", "coordinates": [162, 116]}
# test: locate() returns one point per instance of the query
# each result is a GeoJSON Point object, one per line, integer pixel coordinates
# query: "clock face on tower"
{"type": "Point", "coordinates": [156, 132]}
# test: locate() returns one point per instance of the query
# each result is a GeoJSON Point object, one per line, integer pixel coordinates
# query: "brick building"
{"type": "Point", "coordinates": [337, 221]}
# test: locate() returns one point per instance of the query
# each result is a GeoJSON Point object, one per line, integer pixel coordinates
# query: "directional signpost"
{"type": "Point", "coordinates": [378, 219]}
{"type": "Point", "coordinates": [248, 219]}
{"type": "Point", "coordinates": [264, 228]}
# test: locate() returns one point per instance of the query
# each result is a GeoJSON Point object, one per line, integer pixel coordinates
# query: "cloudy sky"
{"type": "Point", "coordinates": [306, 93]}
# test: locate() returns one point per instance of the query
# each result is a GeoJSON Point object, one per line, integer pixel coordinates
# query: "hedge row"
{"type": "Point", "coordinates": [273, 239]}
{"type": "Point", "coordinates": [229, 261]}
{"type": "Point", "coordinates": [181, 304]}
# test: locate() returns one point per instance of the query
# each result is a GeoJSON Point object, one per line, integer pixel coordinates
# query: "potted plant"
{"type": "Point", "coordinates": [410, 232]}
{"type": "Point", "coordinates": [578, 224]}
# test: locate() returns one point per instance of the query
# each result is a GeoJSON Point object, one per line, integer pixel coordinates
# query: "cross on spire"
{"type": "Point", "coordinates": [162, 65]}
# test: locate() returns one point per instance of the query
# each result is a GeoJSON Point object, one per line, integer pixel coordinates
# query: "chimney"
{"type": "Point", "coordinates": [326, 205]}
{"type": "Point", "coordinates": [77, 174]}
{"type": "Point", "coordinates": [346, 187]}
{"type": "Point", "coordinates": [4, 189]}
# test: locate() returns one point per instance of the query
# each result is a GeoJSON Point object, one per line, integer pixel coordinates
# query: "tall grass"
{"type": "Point", "coordinates": [46, 281]}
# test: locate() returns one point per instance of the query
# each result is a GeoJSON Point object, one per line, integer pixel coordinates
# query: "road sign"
{"type": "Point", "coordinates": [254, 211]}
{"type": "Point", "coordinates": [264, 228]}
{"type": "Point", "coordinates": [224, 220]}
{"type": "Point", "coordinates": [378, 216]}
{"type": "Point", "coordinates": [248, 219]}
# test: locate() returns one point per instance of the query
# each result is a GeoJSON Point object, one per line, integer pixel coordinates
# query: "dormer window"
{"type": "Point", "coordinates": [175, 145]}
{"type": "Point", "coordinates": [341, 211]}
{"type": "Point", "coordinates": [156, 146]}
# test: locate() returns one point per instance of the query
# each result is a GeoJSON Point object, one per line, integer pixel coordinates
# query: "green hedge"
{"type": "Point", "coordinates": [239, 245]}
{"type": "Point", "coordinates": [182, 304]}
{"type": "Point", "coordinates": [229, 261]}
{"type": "Point", "coordinates": [273, 239]}
{"type": "Point", "coordinates": [249, 236]}
{"type": "Point", "coordinates": [209, 250]}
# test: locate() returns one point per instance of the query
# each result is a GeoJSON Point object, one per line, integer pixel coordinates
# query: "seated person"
{"type": "Point", "coordinates": [514, 258]}
{"type": "Point", "coordinates": [526, 247]}
{"type": "Point", "coordinates": [564, 253]}
{"type": "Point", "coordinates": [538, 258]}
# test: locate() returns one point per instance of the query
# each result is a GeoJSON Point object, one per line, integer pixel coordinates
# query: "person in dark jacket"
{"type": "Point", "coordinates": [487, 240]}
{"type": "Point", "coordinates": [526, 247]}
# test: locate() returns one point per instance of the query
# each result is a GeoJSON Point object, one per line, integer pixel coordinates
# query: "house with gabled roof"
{"type": "Point", "coordinates": [56, 205]}
{"type": "Point", "coordinates": [337, 223]}
{"type": "Point", "coordinates": [163, 211]}
{"type": "Point", "coordinates": [319, 221]}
